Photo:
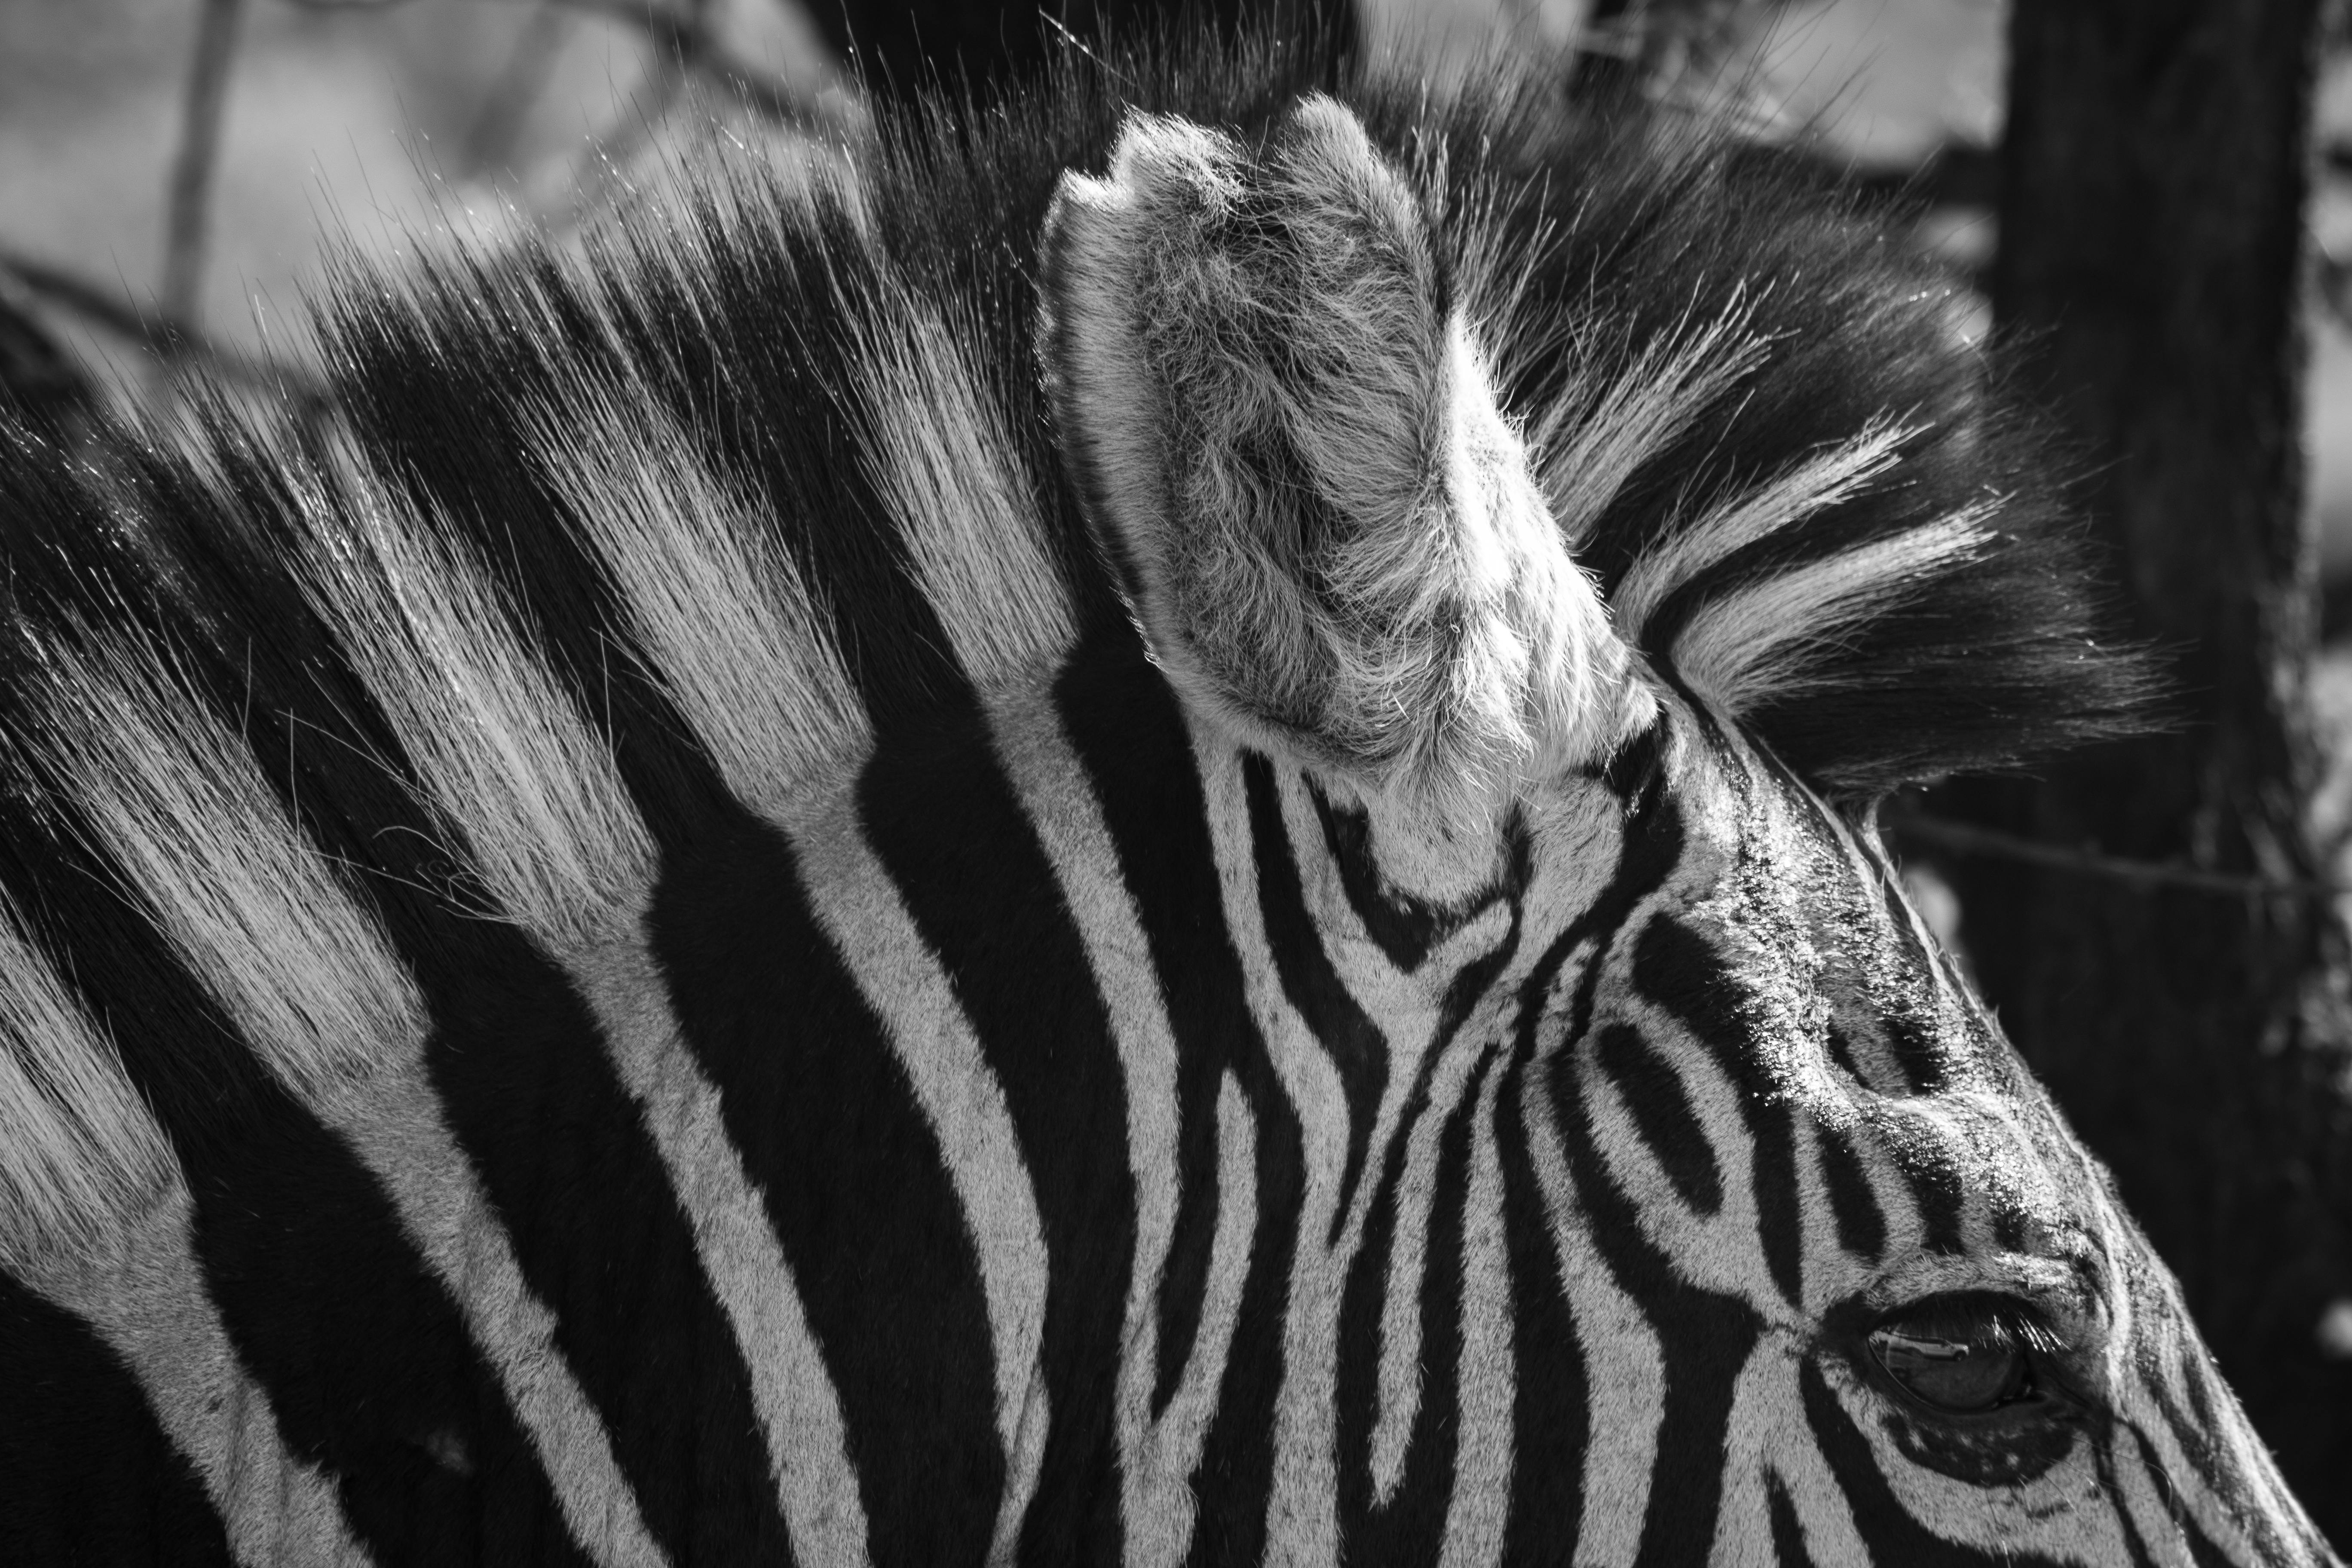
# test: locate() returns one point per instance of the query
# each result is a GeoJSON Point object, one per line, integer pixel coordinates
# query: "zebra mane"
{"type": "Point", "coordinates": [769, 468]}
{"type": "Point", "coordinates": [1800, 492]}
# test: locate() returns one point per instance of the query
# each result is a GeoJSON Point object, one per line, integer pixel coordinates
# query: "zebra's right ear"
{"type": "Point", "coordinates": [1289, 448]}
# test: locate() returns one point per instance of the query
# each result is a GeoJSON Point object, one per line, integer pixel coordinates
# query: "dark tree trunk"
{"type": "Point", "coordinates": [2151, 261]}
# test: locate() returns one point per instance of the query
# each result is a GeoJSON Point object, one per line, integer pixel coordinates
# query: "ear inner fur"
{"type": "Point", "coordinates": [1291, 450]}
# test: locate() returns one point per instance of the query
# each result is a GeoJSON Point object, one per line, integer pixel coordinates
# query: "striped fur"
{"type": "Point", "coordinates": [712, 931]}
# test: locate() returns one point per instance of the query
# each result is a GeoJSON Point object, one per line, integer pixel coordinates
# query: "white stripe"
{"type": "Point", "coordinates": [731, 633]}
{"type": "Point", "coordinates": [799, 1408]}
{"type": "Point", "coordinates": [79, 1154]}
{"type": "Point", "coordinates": [1157, 1459]}
{"type": "Point", "coordinates": [394, 1126]}
{"type": "Point", "coordinates": [1590, 441]}
{"type": "Point", "coordinates": [1625, 1371]}
{"type": "Point", "coordinates": [2224, 1520]}
{"type": "Point", "coordinates": [1724, 1251]}
{"type": "Point", "coordinates": [112, 1246]}
{"type": "Point", "coordinates": [960, 1097]}
{"type": "Point", "coordinates": [1302, 1511]}
{"type": "Point", "coordinates": [146, 1298]}
{"type": "Point", "coordinates": [1829, 1273]}
{"type": "Point", "coordinates": [494, 735]}
{"type": "Point", "coordinates": [2146, 1502]}
{"type": "Point", "coordinates": [1769, 1435]}
{"type": "Point", "coordinates": [940, 455]}
{"type": "Point", "coordinates": [1410, 1007]}
{"type": "Point", "coordinates": [1690, 549]}
{"type": "Point", "coordinates": [1160, 1513]}
{"type": "Point", "coordinates": [260, 919]}
{"type": "Point", "coordinates": [1767, 640]}
{"type": "Point", "coordinates": [1400, 1381]}
{"type": "Point", "coordinates": [733, 638]}
{"type": "Point", "coordinates": [1479, 1512]}
{"type": "Point", "coordinates": [508, 761]}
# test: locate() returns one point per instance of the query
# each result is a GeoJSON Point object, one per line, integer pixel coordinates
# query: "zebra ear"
{"type": "Point", "coordinates": [1289, 447]}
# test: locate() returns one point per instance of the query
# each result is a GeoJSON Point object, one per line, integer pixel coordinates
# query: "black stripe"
{"type": "Point", "coordinates": [1665, 1120]}
{"type": "Point", "coordinates": [525, 1083]}
{"type": "Point", "coordinates": [531, 1093]}
{"type": "Point", "coordinates": [2202, 1550]}
{"type": "Point", "coordinates": [1917, 1052]}
{"type": "Point", "coordinates": [2010, 1221]}
{"type": "Point", "coordinates": [1355, 1045]}
{"type": "Point", "coordinates": [1552, 1408]}
{"type": "Point", "coordinates": [1367, 1285]}
{"type": "Point", "coordinates": [1840, 1047]}
{"type": "Point", "coordinates": [1651, 848]}
{"type": "Point", "coordinates": [1412, 1528]}
{"type": "Point", "coordinates": [2193, 1433]}
{"type": "Point", "coordinates": [1931, 1167]}
{"type": "Point", "coordinates": [1680, 971]}
{"type": "Point", "coordinates": [90, 1475]}
{"type": "Point", "coordinates": [1403, 926]}
{"type": "Point", "coordinates": [1787, 1535]}
{"type": "Point", "coordinates": [1778, 1218]}
{"type": "Point", "coordinates": [1891, 1533]}
{"type": "Point", "coordinates": [1861, 1228]}
{"type": "Point", "coordinates": [2103, 1458]}
{"type": "Point", "coordinates": [966, 857]}
{"type": "Point", "coordinates": [1705, 1341]}
{"type": "Point", "coordinates": [567, 1160]}
{"type": "Point", "coordinates": [1705, 1338]}
{"type": "Point", "coordinates": [856, 1187]}
{"type": "Point", "coordinates": [1126, 726]}
{"type": "Point", "coordinates": [366, 1358]}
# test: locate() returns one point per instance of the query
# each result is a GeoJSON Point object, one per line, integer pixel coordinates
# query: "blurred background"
{"type": "Point", "coordinates": [176, 167]}
{"type": "Point", "coordinates": [173, 171]}
{"type": "Point", "coordinates": [2147, 205]}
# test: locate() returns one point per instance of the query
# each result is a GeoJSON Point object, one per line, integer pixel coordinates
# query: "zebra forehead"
{"type": "Point", "coordinates": [1787, 926]}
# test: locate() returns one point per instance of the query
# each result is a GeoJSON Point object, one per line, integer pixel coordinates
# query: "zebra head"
{"type": "Point", "coordinates": [717, 925]}
{"type": "Point", "coordinates": [1644, 1120]}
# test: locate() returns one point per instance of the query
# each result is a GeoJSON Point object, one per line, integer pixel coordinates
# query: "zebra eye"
{"type": "Point", "coordinates": [1962, 1355]}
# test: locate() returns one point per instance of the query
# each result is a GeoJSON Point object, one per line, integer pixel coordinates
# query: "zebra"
{"type": "Point", "coordinates": [1138, 826]}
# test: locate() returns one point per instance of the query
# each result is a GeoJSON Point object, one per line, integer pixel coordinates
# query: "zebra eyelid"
{"type": "Point", "coordinates": [2055, 1284]}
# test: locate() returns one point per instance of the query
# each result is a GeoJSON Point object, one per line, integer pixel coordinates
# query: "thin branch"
{"type": "Point", "coordinates": [174, 340]}
{"type": "Point", "coordinates": [190, 197]}
{"type": "Point", "coordinates": [36, 374]}
{"type": "Point", "coordinates": [682, 31]}
{"type": "Point", "coordinates": [1967, 838]}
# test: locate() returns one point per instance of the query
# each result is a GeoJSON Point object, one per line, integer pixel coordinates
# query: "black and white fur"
{"type": "Point", "coordinates": [1134, 836]}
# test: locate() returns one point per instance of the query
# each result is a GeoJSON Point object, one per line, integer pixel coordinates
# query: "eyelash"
{"type": "Point", "coordinates": [1969, 1353]}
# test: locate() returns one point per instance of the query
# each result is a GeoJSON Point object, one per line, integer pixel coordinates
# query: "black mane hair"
{"type": "Point", "coordinates": [1607, 252]}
